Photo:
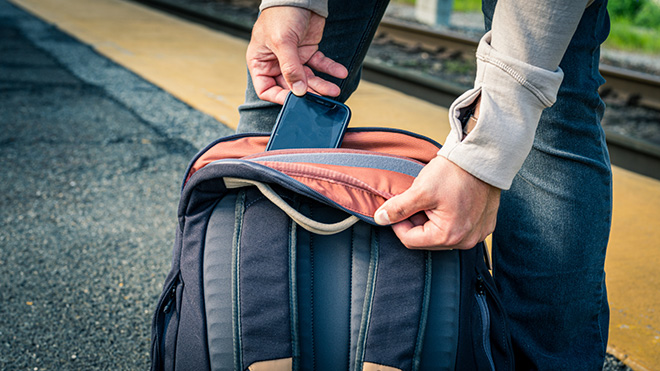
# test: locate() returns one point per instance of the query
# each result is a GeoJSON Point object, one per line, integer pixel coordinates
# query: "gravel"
{"type": "Point", "coordinates": [92, 162]}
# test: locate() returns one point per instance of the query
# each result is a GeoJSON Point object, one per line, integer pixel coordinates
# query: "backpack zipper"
{"type": "Point", "coordinates": [169, 306]}
{"type": "Point", "coordinates": [485, 320]}
{"type": "Point", "coordinates": [170, 300]}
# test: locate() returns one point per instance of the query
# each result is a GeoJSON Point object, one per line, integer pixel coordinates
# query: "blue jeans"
{"type": "Point", "coordinates": [553, 224]}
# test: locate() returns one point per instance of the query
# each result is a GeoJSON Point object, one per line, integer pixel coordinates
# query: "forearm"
{"type": "Point", "coordinates": [517, 77]}
{"type": "Point", "coordinates": [319, 7]}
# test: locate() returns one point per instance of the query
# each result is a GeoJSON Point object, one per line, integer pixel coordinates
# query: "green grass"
{"type": "Point", "coordinates": [624, 35]}
{"type": "Point", "coordinates": [409, 2]}
{"type": "Point", "coordinates": [467, 5]}
{"type": "Point", "coordinates": [459, 5]}
{"type": "Point", "coordinates": [635, 24]}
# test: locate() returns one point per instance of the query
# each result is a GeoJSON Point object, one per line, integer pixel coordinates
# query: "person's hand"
{"type": "Point", "coordinates": [445, 208]}
{"type": "Point", "coordinates": [283, 47]}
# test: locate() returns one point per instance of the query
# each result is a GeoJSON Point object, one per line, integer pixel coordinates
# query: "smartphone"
{"type": "Point", "coordinates": [310, 121]}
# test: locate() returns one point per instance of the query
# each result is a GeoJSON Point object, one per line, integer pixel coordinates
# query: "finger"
{"type": "Point", "coordinates": [291, 66]}
{"type": "Point", "coordinates": [263, 74]}
{"type": "Point", "coordinates": [268, 88]}
{"type": "Point", "coordinates": [401, 207]}
{"type": "Point", "coordinates": [429, 237]}
{"type": "Point", "coordinates": [280, 82]}
{"type": "Point", "coordinates": [321, 63]}
{"type": "Point", "coordinates": [423, 236]}
{"type": "Point", "coordinates": [321, 86]}
{"type": "Point", "coordinates": [412, 222]}
{"type": "Point", "coordinates": [309, 89]}
{"type": "Point", "coordinates": [419, 219]}
{"type": "Point", "coordinates": [425, 231]}
{"type": "Point", "coordinates": [268, 91]}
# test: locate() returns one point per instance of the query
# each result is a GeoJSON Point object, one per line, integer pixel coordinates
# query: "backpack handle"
{"type": "Point", "coordinates": [309, 224]}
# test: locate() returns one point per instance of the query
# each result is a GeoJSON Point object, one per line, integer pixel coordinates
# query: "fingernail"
{"type": "Point", "coordinates": [299, 88]}
{"type": "Point", "coordinates": [382, 218]}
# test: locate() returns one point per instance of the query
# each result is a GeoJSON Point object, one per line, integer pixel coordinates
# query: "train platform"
{"type": "Point", "coordinates": [102, 104]}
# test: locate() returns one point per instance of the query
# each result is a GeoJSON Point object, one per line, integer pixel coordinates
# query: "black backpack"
{"type": "Point", "coordinates": [278, 265]}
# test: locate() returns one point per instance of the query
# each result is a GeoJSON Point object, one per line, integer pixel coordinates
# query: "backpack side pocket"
{"type": "Point", "coordinates": [166, 327]}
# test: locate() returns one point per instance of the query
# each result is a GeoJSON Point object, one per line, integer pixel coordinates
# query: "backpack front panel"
{"type": "Point", "coordinates": [251, 289]}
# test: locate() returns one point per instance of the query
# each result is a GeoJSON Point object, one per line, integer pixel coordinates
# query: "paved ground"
{"type": "Point", "coordinates": [92, 157]}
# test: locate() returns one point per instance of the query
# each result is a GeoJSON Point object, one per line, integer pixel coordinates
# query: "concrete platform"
{"type": "Point", "coordinates": [206, 70]}
{"type": "Point", "coordinates": [92, 160]}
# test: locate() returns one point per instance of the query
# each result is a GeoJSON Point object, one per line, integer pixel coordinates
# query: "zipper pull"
{"type": "Point", "coordinates": [481, 290]}
{"type": "Point", "coordinates": [172, 296]}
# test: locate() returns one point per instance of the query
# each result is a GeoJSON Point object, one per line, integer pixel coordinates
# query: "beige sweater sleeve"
{"type": "Point", "coordinates": [319, 7]}
{"type": "Point", "coordinates": [517, 77]}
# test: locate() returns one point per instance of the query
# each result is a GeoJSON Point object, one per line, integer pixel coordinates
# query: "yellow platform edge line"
{"type": "Point", "coordinates": [206, 69]}
{"type": "Point", "coordinates": [626, 360]}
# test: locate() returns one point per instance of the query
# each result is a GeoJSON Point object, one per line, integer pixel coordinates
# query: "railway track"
{"type": "Point", "coordinates": [644, 90]}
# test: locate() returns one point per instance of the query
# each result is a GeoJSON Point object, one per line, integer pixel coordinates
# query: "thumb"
{"type": "Point", "coordinates": [400, 207]}
{"type": "Point", "coordinates": [292, 69]}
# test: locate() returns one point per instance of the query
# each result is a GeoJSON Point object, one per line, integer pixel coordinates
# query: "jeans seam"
{"type": "Point", "coordinates": [600, 309]}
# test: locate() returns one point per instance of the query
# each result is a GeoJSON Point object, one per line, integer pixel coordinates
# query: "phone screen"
{"type": "Point", "coordinates": [309, 121]}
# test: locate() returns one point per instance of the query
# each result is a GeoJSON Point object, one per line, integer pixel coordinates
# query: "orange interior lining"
{"type": "Point", "coordinates": [358, 189]}
{"type": "Point", "coordinates": [394, 143]}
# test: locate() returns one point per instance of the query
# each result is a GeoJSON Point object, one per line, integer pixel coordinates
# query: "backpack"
{"type": "Point", "coordinates": [279, 265]}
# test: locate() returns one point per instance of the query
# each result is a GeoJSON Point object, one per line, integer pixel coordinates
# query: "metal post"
{"type": "Point", "coordinates": [434, 12]}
